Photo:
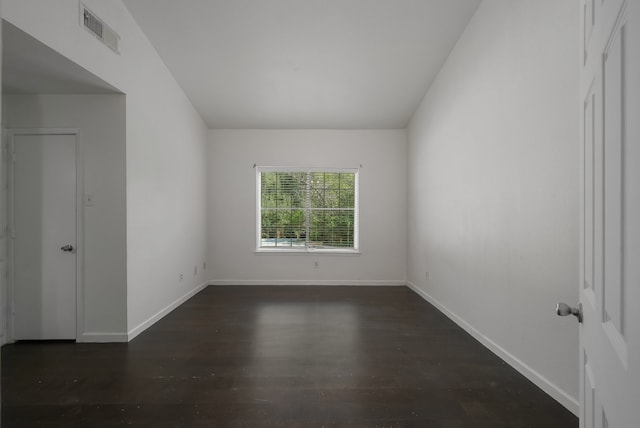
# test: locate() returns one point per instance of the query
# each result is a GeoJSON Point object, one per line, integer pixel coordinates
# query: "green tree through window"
{"type": "Point", "coordinates": [307, 209]}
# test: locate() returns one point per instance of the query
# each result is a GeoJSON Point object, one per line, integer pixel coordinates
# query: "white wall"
{"type": "Point", "coordinates": [492, 182]}
{"type": "Point", "coordinates": [232, 205]}
{"type": "Point", "coordinates": [493, 187]}
{"type": "Point", "coordinates": [165, 154]}
{"type": "Point", "coordinates": [3, 203]}
{"type": "Point", "coordinates": [101, 119]}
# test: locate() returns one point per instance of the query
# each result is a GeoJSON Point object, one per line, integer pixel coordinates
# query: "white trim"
{"type": "Point", "coordinates": [258, 229]}
{"type": "Point", "coordinates": [303, 251]}
{"type": "Point", "coordinates": [356, 209]}
{"type": "Point", "coordinates": [165, 311]}
{"type": "Point", "coordinates": [10, 136]}
{"type": "Point", "coordinates": [260, 168]}
{"type": "Point", "coordinates": [328, 282]}
{"type": "Point", "coordinates": [542, 382]}
{"type": "Point", "coordinates": [102, 337]}
{"type": "Point", "coordinates": [4, 237]}
{"type": "Point", "coordinates": [79, 235]}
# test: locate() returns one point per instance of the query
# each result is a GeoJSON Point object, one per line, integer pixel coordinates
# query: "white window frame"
{"type": "Point", "coordinates": [302, 250]}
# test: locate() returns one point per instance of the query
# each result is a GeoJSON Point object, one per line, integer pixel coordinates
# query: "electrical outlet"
{"type": "Point", "coordinates": [88, 199]}
{"type": "Point", "coordinates": [315, 264]}
{"type": "Point", "coordinates": [204, 265]}
{"type": "Point", "coordinates": [426, 275]}
{"type": "Point", "coordinates": [195, 270]}
{"type": "Point", "coordinates": [181, 277]}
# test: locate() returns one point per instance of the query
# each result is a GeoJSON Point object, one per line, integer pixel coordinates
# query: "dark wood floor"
{"type": "Point", "coordinates": [278, 357]}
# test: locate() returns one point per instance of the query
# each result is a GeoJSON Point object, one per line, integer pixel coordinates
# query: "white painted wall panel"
{"type": "Point", "coordinates": [3, 222]}
{"type": "Point", "coordinates": [101, 120]}
{"type": "Point", "coordinates": [232, 205]}
{"type": "Point", "coordinates": [165, 149]}
{"type": "Point", "coordinates": [493, 187]}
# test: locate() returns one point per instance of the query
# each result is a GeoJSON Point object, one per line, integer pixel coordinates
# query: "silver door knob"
{"type": "Point", "coordinates": [562, 309]}
{"type": "Point", "coordinates": [67, 248]}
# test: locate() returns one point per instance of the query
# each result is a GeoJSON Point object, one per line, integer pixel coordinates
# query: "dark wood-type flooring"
{"type": "Point", "coordinates": [278, 357]}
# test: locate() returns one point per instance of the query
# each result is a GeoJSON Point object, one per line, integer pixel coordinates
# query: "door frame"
{"type": "Point", "coordinates": [10, 144]}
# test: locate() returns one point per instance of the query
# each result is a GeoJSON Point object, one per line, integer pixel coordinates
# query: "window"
{"type": "Point", "coordinates": [304, 209]}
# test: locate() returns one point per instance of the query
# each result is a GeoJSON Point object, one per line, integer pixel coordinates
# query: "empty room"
{"type": "Point", "coordinates": [305, 213]}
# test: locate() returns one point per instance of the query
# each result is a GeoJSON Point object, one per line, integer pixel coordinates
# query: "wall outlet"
{"type": "Point", "coordinates": [204, 265]}
{"type": "Point", "coordinates": [88, 199]}
{"type": "Point", "coordinates": [426, 275]}
{"type": "Point", "coordinates": [195, 270]}
{"type": "Point", "coordinates": [181, 277]}
{"type": "Point", "coordinates": [315, 264]}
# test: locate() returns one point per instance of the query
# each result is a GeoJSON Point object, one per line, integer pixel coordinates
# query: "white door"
{"type": "Point", "coordinates": [610, 221]}
{"type": "Point", "coordinates": [44, 236]}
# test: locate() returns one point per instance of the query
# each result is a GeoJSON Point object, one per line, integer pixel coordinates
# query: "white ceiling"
{"type": "Point", "coordinates": [338, 64]}
{"type": "Point", "coordinates": [30, 67]}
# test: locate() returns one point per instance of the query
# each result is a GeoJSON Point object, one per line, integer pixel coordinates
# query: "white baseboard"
{"type": "Point", "coordinates": [362, 283]}
{"type": "Point", "coordinates": [542, 382]}
{"type": "Point", "coordinates": [102, 337]}
{"type": "Point", "coordinates": [159, 315]}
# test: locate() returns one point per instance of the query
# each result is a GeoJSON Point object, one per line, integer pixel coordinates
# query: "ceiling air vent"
{"type": "Point", "coordinates": [98, 28]}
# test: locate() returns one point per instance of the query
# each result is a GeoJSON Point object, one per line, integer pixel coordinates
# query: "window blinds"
{"type": "Point", "coordinates": [307, 209]}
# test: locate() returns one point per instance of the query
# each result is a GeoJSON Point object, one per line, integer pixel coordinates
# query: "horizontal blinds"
{"type": "Point", "coordinates": [283, 209]}
{"type": "Point", "coordinates": [331, 209]}
{"type": "Point", "coordinates": [303, 169]}
{"type": "Point", "coordinates": [311, 208]}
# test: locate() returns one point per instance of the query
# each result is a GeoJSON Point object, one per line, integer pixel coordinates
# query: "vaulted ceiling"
{"type": "Point", "coordinates": [338, 64]}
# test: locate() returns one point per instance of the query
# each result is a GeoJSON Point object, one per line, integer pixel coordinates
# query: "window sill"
{"type": "Point", "coordinates": [301, 252]}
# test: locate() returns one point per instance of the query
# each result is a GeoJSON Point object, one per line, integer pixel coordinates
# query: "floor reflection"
{"type": "Point", "coordinates": [289, 334]}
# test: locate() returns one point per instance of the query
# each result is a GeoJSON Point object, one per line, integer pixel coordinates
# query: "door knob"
{"type": "Point", "coordinates": [562, 309]}
{"type": "Point", "coordinates": [67, 248]}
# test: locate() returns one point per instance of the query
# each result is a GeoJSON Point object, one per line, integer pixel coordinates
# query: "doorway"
{"type": "Point", "coordinates": [45, 223]}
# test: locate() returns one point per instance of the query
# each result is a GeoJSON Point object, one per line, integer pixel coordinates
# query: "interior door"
{"type": "Point", "coordinates": [44, 236]}
{"type": "Point", "coordinates": [610, 221]}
